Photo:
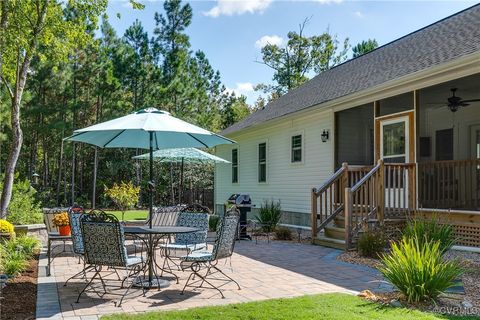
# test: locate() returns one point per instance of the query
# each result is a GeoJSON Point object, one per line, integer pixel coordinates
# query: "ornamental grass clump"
{"type": "Point", "coordinates": [416, 268]}
{"type": "Point", "coordinates": [372, 244]}
{"type": "Point", "coordinates": [431, 230]}
{"type": "Point", "coordinates": [269, 215]}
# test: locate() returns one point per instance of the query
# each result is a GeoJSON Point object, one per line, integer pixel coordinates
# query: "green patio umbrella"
{"type": "Point", "coordinates": [182, 155]}
{"type": "Point", "coordinates": [151, 129]}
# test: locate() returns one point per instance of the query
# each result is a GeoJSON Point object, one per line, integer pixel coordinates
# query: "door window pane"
{"type": "Point", "coordinates": [394, 139]}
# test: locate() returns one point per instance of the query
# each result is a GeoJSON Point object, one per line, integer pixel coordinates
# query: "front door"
{"type": "Point", "coordinates": [395, 144]}
{"type": "Point", "coordinates": [475, 140]}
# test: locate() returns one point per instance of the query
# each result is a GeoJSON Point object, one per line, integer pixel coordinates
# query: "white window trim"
{"type": "Point", "coordinates": [238, 165]}
{"type": "Point", "coordinates": [297, 133]}
{"type": "Point", "coordinates": [266, 161]}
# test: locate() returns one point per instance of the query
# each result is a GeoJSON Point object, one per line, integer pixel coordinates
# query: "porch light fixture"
{"type": "Point", "coordinates": [325, 135]}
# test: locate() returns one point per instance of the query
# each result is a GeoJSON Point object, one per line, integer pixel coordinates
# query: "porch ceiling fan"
{"type": "Point", "coordinates": [456, 102]}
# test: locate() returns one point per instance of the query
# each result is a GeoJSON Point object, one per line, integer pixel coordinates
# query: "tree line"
{"type": "Point", "coordinates": [64, 67]}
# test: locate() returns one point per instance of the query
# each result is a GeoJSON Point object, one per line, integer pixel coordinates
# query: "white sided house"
{"type": "Point", "coordinates": [392, 134]}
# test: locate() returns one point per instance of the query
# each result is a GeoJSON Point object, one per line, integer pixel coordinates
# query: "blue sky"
{"type": "Point", "coordinates": [231, 32]}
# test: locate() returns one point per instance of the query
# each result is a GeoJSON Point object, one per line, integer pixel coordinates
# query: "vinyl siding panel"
{"type": "Point", "coordinates": [288, 182]}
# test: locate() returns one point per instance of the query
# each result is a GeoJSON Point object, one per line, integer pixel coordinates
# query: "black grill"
{"type": "Point", "coordinates": [244, 204]}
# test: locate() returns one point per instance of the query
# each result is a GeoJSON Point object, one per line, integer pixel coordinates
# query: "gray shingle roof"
{"type": "Point", "coordinates": [443, 41]}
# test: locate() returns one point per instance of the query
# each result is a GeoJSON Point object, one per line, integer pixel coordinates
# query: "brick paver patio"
{"type": "Point", "coordinates": [264, 271]}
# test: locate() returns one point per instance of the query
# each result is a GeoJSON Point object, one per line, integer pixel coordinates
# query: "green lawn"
{"type": "Point", "coordinates": [324, 306]}
{"type": "Point", "coordinates": [131, 214]}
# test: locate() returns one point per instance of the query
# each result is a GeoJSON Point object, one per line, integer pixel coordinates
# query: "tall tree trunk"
{"type": "Point", "coordinates": [17, 136]}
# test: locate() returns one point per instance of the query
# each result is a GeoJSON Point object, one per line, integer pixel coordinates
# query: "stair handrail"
{"type": "Point", "coordinates": [337, 175]}
{"type": "Point", "coordinates": [377, 208]}
{"type": "Point", "coordinates": [341, 173]}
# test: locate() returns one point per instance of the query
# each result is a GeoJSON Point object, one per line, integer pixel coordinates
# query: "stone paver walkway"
{"type": "Point", "coordinates": [263, 270]}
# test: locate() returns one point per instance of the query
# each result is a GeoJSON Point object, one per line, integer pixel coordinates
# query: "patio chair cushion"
{"type": "Point", "coordinates": [180, 246]}
{"type": "Point", "coordinates": [200, 255]}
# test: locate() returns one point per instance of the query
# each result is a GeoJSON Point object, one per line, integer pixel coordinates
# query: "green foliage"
{"type": "Point", "coordinates": [431, 231]}
{"type": "Point", "coordinates": [6, 227]}
{"type": "Point", "coordinates": [371, 244]}
{"type": "Point", "coordinates": [283, 233]}
{"type": "Point", "coordinates": [24, 208]}
{"type": "Point", "coordinates": [26, 245]}
{"type": "Point", "coordinates": [416, 268]}
{"type": "Point", "coordinates": [364, 47]}
{"type": "Point", "coordinates": [301, 55]}
{"type": "Point", "coordinates": [213, 222]}
{"type": "Point", "coordinates": [124, 195]}
{"type": "Point", "coordinates": [269, 215]}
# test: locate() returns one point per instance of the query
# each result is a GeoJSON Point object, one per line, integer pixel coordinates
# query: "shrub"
{"type": "Point", "coordinates": [6, 227]}
{"type": "Point", "coordinates": [431, 230]}
{"type": "Point", "coordinates": [371, 244]}
{"type": "Point", "coordinates": [213, 221]}
{"type": "Point", "coordinates": [269, 215]}
{"type": "Point", "coordinates": [417, 269]}
{"type": "Point", "coordinates": [24, 208]}
{"type": "Point", "coordinates": [124, 195]}
{"type": "Point", "coordinates": [283, 233]}
{"type": "Point", "coordinates": [27, 245]}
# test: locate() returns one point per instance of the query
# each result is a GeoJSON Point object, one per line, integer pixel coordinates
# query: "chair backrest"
{"type": "Point", "coordinates": [192, 220]}
{"type": "Point", "coordinates": [74, 214]}
{"type": "Point", "coordinates": [226, 235]}
{"type": "Point", "coordinates": [103, 239]}
{"type": "Point", "coordinates": [165, 216]}
{"type": "Point", "coordinates": [196, 207]}
{"type": "Point", "coordinates": [48, 214]}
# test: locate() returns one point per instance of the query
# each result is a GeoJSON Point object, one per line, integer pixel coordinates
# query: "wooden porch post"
{"type": "Point", "coordinates": [381, 193]}
{"type": "Point", "coordinates": [348, 217]}
{"type": "Point", "coordinates": [314, 214]}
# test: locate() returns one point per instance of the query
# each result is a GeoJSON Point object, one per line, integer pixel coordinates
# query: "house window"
{"type": "Point", "coordinates": [296, 148]}
{"type": "Point", "coordinates": [234, 165]}
{"type": "Point", "coordinates": [262, 162]}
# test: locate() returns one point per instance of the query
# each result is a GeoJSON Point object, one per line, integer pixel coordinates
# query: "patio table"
{"type": "Point", "coordinates": [153, 280]}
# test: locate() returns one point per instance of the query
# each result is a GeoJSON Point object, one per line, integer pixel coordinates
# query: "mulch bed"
{"type": "Point", "coordinates": [468, 302]}
{"type": "Point", "coordinates": [19, 298]}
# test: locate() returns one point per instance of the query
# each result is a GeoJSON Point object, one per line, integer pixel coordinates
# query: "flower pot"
{"type": "Point", "coordinates": [64, 230]}
{"type": "Point", "coordinates": [21, 230]}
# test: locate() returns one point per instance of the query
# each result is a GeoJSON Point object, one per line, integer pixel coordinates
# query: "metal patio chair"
{"type": "Point", "coordinates": [53, 236]}
{"type": "Point", "coordinates": [207, 261]}
{"type": "Point", "coordinates": [104, 246]}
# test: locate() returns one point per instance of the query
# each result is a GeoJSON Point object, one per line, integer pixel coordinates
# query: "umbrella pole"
{"type": "Point", "coordinates": [151, 183]}
{"type": "Point", "coordinates": [181, 183]}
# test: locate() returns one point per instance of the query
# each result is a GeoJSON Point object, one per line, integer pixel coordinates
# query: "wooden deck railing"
{"type": "Point", "coordinates": [386, 191]}
{"type": "Point", "coordinates": [328, 199]}
{"type": "Point", "coordinates": [449, 184]}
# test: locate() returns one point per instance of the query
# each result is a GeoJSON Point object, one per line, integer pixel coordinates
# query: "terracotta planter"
{"type": "Point", "coordinates": [64, 230]}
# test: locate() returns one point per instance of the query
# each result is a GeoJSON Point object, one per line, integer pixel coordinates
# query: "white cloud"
{"type": "Point", "coordinates": [273, 39]}
{"type": "Point", "coordinates": [242, 88]}
{"type": "Point", "coordinates": [358, 14]}
{"type": "Point", "coordinates": [237, 7]}
{"type": "Point", "coordinates": [328, 1]}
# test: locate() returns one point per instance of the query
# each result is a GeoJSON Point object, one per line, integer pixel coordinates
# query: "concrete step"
{"type": "Point", "coordinates": [332, 231]}
{"type": "Point", "coordinates": [329, 242]}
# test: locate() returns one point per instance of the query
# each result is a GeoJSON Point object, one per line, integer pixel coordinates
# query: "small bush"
{"type": "Point", "coordinates": [371, 244]}
{"type": "Point", "coordinates": [124, 195]}
{"type": "Point", "coordinates": [283, 233]}
{"type": "Point", "coordinates": [269, 215]}
{"type": "Point", "coordinates": [24, 208]}
{"type": "Point", "coordinates": [13, 263]}
{"type": "Point", "coordinates": [213, 221]}
{"type": "Point", "coordinates": [417, 269]}
{"type": "Point", "coordinates": [6, 227]}
{"type": "Point", "coordinates": [27, 245]}
{"type": "Point", "coordinates": [431, 230]}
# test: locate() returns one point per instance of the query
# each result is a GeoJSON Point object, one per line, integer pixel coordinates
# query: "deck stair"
{"type": "Point", "coordinates": [356, 198]}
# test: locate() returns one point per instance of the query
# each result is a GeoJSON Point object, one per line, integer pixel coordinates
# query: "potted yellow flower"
{"type": "Point", "coordinates": [61, 221]}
